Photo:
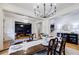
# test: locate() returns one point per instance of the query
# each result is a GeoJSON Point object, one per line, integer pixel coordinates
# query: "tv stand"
{"type": "Point", "coordinates": [71, 37]}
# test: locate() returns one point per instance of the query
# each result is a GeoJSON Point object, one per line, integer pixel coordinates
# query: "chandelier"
{"type": "Point", "coordinates": [45, 10]}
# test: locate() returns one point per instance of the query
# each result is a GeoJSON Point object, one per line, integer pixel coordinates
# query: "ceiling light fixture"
{"type": "Point", "coordinates": [45, 10]}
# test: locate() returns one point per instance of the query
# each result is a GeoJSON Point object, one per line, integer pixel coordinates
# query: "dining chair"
{"type": "Point", "coordinates": [33, 36]}
{"type": "Point", "coordinates": [49, 49]}
{"type": "Point", "coordinates": [52, 46]}
{"type": "Point", "coordinates": [60, 48]}
{"type": "Point", "coordinates": [40, 35]}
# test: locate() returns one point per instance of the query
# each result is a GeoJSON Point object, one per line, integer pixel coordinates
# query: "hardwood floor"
{"type": "Point", "coordinates": [6, 44]}
{"type": "Point", "coordinates": [5, 52]}
{"type": "Point", "coordinates": [73, 46]}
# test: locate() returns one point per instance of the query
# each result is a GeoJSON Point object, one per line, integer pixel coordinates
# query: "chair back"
{"type": "Point", "coordinates": [63, 43]}
{"type": "Point", "coordinates": [52, 45]}
{"type": "Point", "coordinates": [60, 46]}
{"type": "Point", "coordinates": [33, 36]}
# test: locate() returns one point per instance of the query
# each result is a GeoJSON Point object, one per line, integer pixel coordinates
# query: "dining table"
{"type": "Point", "coordinates": [30, 47]}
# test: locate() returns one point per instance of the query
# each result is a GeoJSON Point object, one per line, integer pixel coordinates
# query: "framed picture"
{"type": "Point", "coordinates": [52, 28]}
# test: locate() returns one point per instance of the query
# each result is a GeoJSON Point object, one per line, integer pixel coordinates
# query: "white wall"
{"type": "Point", "coordinates": [9, 26]}
{"type": "Point", "coordinates": [70, 21]}
{"type": "Point", "coordinates": [34, 27]}
{"type": "Point", "coordinates": [46, 26]}
{"type": "Point", "coordinates": [1, 29]}
{"type": "Point", "coordinates": [9, 21]}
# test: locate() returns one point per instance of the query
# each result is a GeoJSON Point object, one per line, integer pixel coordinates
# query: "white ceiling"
{"type": "Point", "coordinates": [19, 17]}
{"type": "Point", "coordinates": [29, 6]}
{"type": "Point", "coordinates": [59, 6]}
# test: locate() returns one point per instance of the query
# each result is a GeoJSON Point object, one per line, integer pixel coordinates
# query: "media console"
{"type": "Point", "coordinates": [71, 37]}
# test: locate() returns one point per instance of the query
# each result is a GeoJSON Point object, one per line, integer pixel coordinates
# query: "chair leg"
{"type": "Point", "coordinates": [54, 52]}
{"type": "Point", "coordinates": [51, 52]}
{"type": "Point", "coordinates": [48, 51]}
{"type": "Point", "coordinates": [64, 52]}
{"type": "Point", "coordinates": [59, 53]}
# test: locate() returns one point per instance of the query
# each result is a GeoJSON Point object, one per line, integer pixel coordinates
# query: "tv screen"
{"type": "Point", "coordinates": [22, 27]}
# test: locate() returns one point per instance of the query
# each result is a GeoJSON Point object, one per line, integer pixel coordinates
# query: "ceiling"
{"type": "Point", "coordinates": [19, 17]}
{"type": "Point", "coordinates": [29, 6]}
{"type": "Point", "coordinates": [59, 6]}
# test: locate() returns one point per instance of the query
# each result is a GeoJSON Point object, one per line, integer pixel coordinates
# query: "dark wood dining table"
{"type": "Point", "coordinates": [31, 50]}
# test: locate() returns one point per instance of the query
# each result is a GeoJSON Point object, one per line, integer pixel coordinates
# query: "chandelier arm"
{"type": "Point", "coordinates": [44, 9]}
{"type": "Point", "coordinates": [49, 10]}
{"type": "Point", "coordinates": [37, 11]}
{"type": "Point", "coordinates": [51, 14]}
{"type": "Point", "coordinates": [39, 14]}
{"type": "Point", "coordinates": [45, 14]}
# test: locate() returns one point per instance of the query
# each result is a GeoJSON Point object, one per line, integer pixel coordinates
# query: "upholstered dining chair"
{"type": "Point", "coordinates": [60, 47]}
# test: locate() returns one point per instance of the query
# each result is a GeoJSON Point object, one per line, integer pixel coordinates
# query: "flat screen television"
{"type": "Point", "coordinates": [21, 27]}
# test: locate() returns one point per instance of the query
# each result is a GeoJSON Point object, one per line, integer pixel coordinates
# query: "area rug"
{"type": "Point", "coordinates": [69, 51]}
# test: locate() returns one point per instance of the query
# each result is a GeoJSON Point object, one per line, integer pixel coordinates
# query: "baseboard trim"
{"type": "Point", "coordinates": [4, 49]}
